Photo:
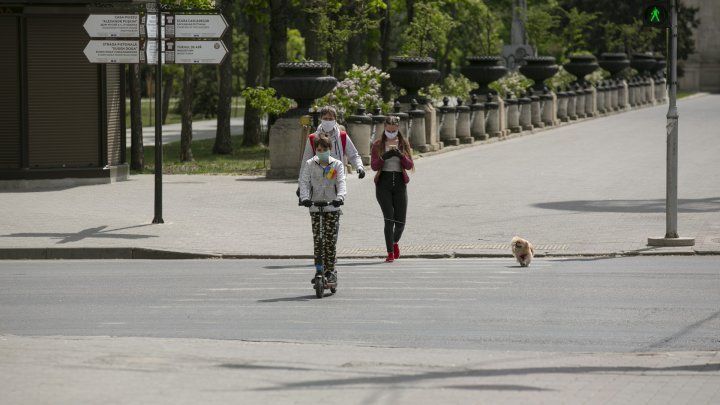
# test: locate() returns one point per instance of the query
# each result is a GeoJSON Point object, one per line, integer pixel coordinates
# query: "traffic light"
{"type": "Point", "coordinates": [657, 14]}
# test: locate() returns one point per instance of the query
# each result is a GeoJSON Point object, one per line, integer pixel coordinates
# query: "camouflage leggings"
{"type": "Point", "coordinates": [324, 237]}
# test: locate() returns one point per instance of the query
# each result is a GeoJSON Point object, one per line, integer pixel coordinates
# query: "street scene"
{"type": "Point", "coordinates": [476, 201]}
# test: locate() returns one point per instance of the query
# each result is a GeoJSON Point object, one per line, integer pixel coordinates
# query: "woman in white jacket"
{"type": "Point", "coordinates": [322, 180]}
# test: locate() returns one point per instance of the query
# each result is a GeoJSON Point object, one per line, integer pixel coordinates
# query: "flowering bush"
{"type": "Point", "coordinates": [264, 99]}
{"type": "Point", "coordinates": [454, 85]}
{"type": "Point", "coordinates": [361, 86]}
{"type": "Point", "coordinates": [514, 83]}
{"type": "Point", "coordinates": [561, 80]}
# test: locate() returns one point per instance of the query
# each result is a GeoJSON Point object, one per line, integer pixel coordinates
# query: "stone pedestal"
{"type": "Point", "coordinates": [536, 111]}
{"type": "Point", "coordinates": [600, 98]}
{"type": "Point", "coordinates": [492, 126]}
{"type": "Point", "coordinates": [418, 140]}
{"type": "Point", "coordinates": [571, 111]}
{"type": "Point", "coordinates": [549, 108]}
{"type": "Point", "coordinates": [448, 120]}
{"type": "Point", "coordinates": [562, 109]}
{"type": "Point", "coordinates": [513, 114]}
{"type": "Point", "coordinates": [359, 127]}
{"type": "Point", "coordinates": [525, 107]}
{"type": "Point", "coordinates": [590, 106]}
{"type": "Point", "coordinates": [287, 144]}
{"type": "Point", "coordinates": [623, 102]}
{"type": "Point", "coordinates": [579, 101]}
{"type": "Point", "coordinates": [431, 127]}
{"type": "Point", "coordinates": [477, 126]}
{"type": "Point", "coordinates": [462, 127]}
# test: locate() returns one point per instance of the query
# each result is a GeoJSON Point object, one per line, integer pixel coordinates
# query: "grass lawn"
{"type": "Point", "coordinates": [681, 94]}
{"type": "Point", "coordinates": [244, 161]}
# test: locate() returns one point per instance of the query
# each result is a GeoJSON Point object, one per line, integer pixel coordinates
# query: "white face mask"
{"type": "Point", "coordinates": [327, 126]}
{"type": "Point", "coordinates": [391, 135]}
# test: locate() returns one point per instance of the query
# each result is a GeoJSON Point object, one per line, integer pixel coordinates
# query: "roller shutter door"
{"type": "Point", "coordinates": [9, 94]}
{"type": "Point", "coordinates": [63, 96]}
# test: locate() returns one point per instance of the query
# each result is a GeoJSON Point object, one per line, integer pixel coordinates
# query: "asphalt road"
{"type": "Point", "coordinates": [629, 304]}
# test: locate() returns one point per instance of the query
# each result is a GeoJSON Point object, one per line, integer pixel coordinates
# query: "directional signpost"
{"type": "Point", "coordinates": [113, 25]}
{"type": "Point", "coordinates": [113, 51]}
{"type": "Point", "coordinates": [188, 52]}
{"type": "Point", "coordinates": [185, 38]}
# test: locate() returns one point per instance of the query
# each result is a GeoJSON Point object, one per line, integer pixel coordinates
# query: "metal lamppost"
{"type": "Point", "coordinates": [656, 17]}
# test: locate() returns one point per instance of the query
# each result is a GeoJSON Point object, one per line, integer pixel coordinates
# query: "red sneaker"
{"type": "Point", "coordinates": [396, 251]}
{"type": "Point", "coordinates": [390, 258]}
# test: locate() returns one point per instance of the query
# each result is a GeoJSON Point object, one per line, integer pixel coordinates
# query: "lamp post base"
{"type": "Point", "coordinates": [671, 242]}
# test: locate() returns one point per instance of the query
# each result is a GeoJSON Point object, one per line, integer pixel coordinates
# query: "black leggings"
{"type": "Point", "coordinates": [391, 194]}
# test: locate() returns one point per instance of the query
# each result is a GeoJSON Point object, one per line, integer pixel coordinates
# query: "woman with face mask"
{"type": "Point", "coordinates": [391, 158]}
{"type": "Point", "coordinates": [342, 144]}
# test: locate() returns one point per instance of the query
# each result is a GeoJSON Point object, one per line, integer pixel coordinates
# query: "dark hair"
{"type": "Point", "coordinates": [328, 109]}
{"type": "Point", "coordinates": [323, 141]}
{"type": "Point", "coordinates": [392, 120]}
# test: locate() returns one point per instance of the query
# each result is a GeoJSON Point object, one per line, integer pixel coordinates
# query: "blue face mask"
{"type": "Point", "coordinates": [324, 156]}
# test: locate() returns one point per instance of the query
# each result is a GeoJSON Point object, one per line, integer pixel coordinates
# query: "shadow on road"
{"type": "Point", "coordinates": [390, 380]}
{"type": "Point", "coordinates": [711, 204]}
{"type": "Point", "coordinates": [289, 299]}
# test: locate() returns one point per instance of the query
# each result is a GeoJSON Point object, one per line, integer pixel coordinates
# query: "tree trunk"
{"type": "Point", "coordinates": [223, 140]}
{"type": "Point", "coordinates": [257, 44]}
{"type": "Point", "coordinates": [187, 102]}
{"type": "Point", "coordinates": [137, 157]}
{"type": "Point", "coordinates": [385, 48]}
{"type": "Point", "coordinates": [278, 35]}
{"type": "Point", "coordinates": [313, 50]}
{"type": "Point", "coordinates": [167, 92]}
{"type": "Point", "coordinates": [410, 5]}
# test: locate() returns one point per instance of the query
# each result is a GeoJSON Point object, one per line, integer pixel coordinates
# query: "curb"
{"type": "Point", "coordinates": [157, 254]}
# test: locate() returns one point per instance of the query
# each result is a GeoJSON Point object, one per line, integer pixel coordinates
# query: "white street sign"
{"type": "Point", "coordinates": [198, 25]}
{"type": "Point", "coordinates": [151, 52]}
{"type": "Point", "coordinates": [113, 25]}
{"type": "Point", "coordinates": [151, 26]}
{"type": "Point", "coordinates": [186, 52]}
{"type": "Point", "coordinates": [112, 51]}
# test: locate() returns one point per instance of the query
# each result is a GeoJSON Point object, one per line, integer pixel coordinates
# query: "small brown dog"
{"type": "Point", "coordinates": [522, 250]}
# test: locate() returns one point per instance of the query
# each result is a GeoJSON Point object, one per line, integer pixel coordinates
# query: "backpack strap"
{"type": "Point", "coordinates": [311, 137]}
{"type": "Point", "coordinates": [343, 139]}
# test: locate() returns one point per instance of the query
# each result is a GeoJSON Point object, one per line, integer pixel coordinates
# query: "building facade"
{"type": "Point", "coordinates": [62, 118]}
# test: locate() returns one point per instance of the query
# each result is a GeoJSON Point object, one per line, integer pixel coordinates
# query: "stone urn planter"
{"type": "Point", "coordinates": [484, 70]}
{"type": "Point", "coordinates": [412, 74]}
{"type": "Point", "coordinates": [303, 82]}
{"type": "Point", "coordinates": [614, 63]}
{"type": "Point", "coordinates": [643, 63]}
{"type": "Point", "coordinates": [581, 66]}
{"type": "Point", "coordinates": [539, 69]}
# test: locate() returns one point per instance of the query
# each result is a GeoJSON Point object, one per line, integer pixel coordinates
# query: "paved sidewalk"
{"type": "Point", "coordinates": [92, 370]}
{"type": "Point", "coordinates": [595, 187]}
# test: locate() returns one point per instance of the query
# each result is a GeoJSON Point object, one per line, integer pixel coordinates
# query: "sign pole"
{"type": "Point", "coordinates": [671, 233]}
{"type": "Point", "coordinates": [158, 121]}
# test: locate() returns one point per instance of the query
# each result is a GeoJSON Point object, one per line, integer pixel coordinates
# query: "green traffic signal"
{"type": "Point", "coordinates": [656, 16]}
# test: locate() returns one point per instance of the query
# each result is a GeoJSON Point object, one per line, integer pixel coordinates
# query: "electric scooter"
{"type": "Point", "coordinates": [320, 282]}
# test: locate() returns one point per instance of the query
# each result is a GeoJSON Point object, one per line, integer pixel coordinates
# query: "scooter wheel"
{"type": "Point", "coordinates": [333, 290]}
{"type": "Point", "coordinates": [319, 288]}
